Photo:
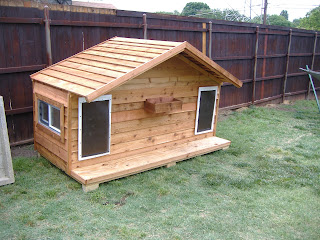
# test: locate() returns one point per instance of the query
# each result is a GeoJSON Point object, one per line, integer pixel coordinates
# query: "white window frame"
{"type": "Point", "coordinates": [48, 123]}
{"type": "Point", "coordinates": [82, 100]}
{"type": "Point", "coordinates": [50, 119]}
{"type": "Point", "coordinates": [203, 89]}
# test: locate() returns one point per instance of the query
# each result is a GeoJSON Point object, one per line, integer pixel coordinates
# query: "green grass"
{"type": "Point", "coordinates": [265, 186]}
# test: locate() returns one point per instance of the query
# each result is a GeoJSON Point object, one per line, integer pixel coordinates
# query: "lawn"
{"type": "Point", "coordinates": [265, 186]}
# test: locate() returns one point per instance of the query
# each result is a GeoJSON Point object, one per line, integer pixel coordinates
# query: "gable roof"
{"type": "Point", "coordinates": [97, 70]}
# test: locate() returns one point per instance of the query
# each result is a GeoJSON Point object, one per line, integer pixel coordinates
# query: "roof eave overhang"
{"type": "Point", "coordinates": [214, 67]}
{"type": "Point", "coordinates": [185, 47]}
{"type": "Point", "coordinates": [137, 71]}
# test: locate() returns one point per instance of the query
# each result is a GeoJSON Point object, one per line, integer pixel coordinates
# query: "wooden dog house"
{"type": "Point", "coordinates": [125, 106]}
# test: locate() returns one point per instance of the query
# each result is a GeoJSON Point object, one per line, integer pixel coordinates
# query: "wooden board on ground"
{"type": "Point", "coordinates": [6, 170]}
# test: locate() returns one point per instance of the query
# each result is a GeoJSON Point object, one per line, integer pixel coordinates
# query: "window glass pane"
{"type": "Point", "coordinates": [95, 128]}
{"type": "Point", "coordinates": [44, 115]}
{"type": "Point", "coordinates": [55, 117]}
{"type": "Point", "coordinates": [207, 102]}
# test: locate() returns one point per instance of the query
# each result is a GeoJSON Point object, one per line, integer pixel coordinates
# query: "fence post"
{"type": "Point", "coordinates": [210, 40]}
{"type": "Point", "coordinates": [255, 66]}
{"type": "Point", "coordinates": [204, 39]}
{"type": "Point", "coordinates": [47, 34]}
{"type": "Point", "coordinates": [287, 67]}
{"type": "Point", "coordinates": [312, 64]}
{"type": "Point", "coordinates": [145, 26]}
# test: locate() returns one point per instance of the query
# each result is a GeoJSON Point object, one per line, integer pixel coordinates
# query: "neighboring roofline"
{"type": "Point", "coordinates": [183, 47]}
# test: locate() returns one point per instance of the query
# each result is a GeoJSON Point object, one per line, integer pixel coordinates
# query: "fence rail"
{"type": "Point", "coordinates": [265, 58]}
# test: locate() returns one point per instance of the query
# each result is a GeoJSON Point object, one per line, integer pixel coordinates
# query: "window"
{"type": "Point", "coordinates": [206, 109]}
{"type": "Point", "coordinates": [49, 116]}
{"type": "Point", "coordinates": [94, 127]}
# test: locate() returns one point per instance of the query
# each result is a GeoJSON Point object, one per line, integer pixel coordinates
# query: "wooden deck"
{"type": "Point", "coordinates": [118, 168]}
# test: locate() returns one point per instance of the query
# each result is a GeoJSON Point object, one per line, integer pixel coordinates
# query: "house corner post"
{"type": "Point", "coordinates": [69, 129]}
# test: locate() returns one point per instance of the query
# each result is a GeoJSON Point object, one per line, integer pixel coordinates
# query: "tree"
{"type": "Point", "coordinates": [175, 12]}
{"type": "Point", "coordinates": [278, 21]}
{"type": "Point", "coordinates": [256, 19]}
{"type": "Point", "coordinates": [296, 22]}
{"type": "Point", "coordinates": [193, 8]}
{"type": "Point", "coordinates": [312, 20]}
{"type": "Point", "coordinates": [285, 14]}
{"type": "Point", "coordinates": [225, 14]}
{"type": "Point", "coordinates": [274, 20]}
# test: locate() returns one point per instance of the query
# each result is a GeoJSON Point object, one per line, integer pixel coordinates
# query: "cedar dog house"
{"type": "Point", "coordinates": [125, 106]}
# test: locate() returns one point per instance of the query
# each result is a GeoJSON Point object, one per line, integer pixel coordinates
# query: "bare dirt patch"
{"type": "Point", "coordinates": [23, 151]}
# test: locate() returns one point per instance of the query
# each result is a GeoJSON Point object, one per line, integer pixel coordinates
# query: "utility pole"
{"type": "Point", "coordinates": [250, 8]}
{"type": "Point", "coordinates": [265, 12]}
{"type": "Point", "coordinates": [244, 7]}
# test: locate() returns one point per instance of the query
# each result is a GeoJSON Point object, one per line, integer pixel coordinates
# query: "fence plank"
{"type": "Point", "coordinates": [258, 59]}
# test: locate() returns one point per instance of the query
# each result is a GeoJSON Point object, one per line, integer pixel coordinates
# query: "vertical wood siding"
{"type": "Point", "coordinates": [22, 48]}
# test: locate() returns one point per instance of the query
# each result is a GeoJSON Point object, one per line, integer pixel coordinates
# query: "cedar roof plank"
{"type": "Point", "coordinates": [80, 73]}
{"type": "Point", "coordinates": [118, 56]}
{"type": "Point", "coordinates": [74, 88]}
{"type": "Point", "coordinates": [134, 48]}
{"type": "Point", "coordinates": [109, 64]}
{"type": "Point", "coordinates": [73, 79]}
{"type": "Point", "coordinates": [114, 41]}
{"type": "Point", "coordinates": [128, 52]}
{"type": "Point", "coordinates": [97, 70]}
{"type": "Point", "coordinates": [138, 71]}
{"type": "Point", "coordinates": [145, 41]}
{"type": "Point", "coordinates": [118, 62]}
{"type": "Point", "coordinates": [99, 64]}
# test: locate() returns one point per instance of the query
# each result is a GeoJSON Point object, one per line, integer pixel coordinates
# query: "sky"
{"type": "Point", "coordinates": [295, 8]}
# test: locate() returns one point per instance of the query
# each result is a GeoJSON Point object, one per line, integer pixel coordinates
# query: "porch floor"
{"type": "Point", "coordinates": [113, 169]}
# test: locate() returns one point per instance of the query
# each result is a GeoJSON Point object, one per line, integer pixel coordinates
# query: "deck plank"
{"type": "Point", "coordinates": [118, 168]}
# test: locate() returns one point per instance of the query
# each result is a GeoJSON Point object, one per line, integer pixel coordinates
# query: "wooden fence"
{"type": "Point", "coordinates": [265, 58]}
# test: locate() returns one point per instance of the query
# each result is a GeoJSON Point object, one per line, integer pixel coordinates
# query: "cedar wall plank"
{"type": "Point", "coordinates": [44, 142]}
{"type": "Point", "coordinates": [147, 132]}
{"type": "Point", "coordinates": [152, 122]}
{"type": "Point", "coordinates": [50, 156]}
{"type": "Point", "coordinates": [50, 92]}
{"type": "Point", "coordinates": [152, 140]}
{"type": "Point", "coordinates": [138, 95]}
{"type": "Point", "coordinates": [54, 148]}
{"type": "Point", "coordinates": [141, 113]}
{"type": "Point", "coordinates": [133, 130]}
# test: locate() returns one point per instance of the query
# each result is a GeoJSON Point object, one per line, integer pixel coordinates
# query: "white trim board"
{"type": "Point", "coordinates": [83, 100]}
{"type": "Point", "coordinates": [6, 170]}
{"type": "Point", "coordinates": [202, 89]}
